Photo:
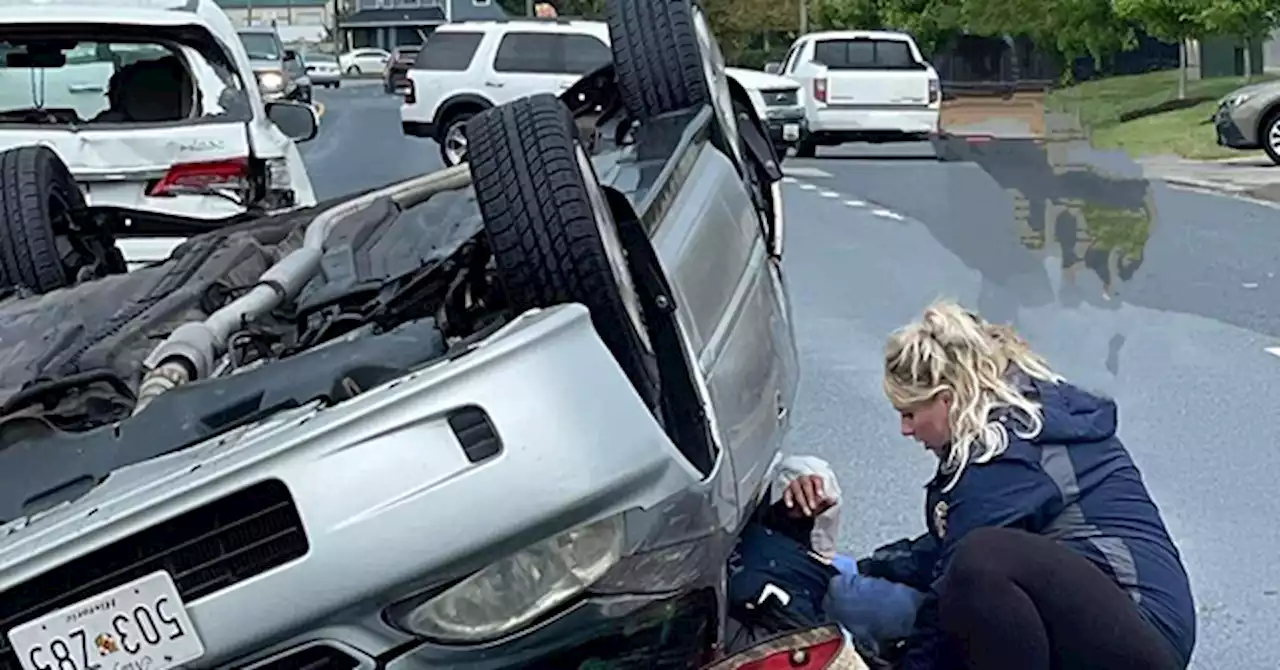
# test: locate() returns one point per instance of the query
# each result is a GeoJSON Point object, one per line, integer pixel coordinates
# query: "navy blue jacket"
{"type": "Point", "coordinates": [1074, 482]}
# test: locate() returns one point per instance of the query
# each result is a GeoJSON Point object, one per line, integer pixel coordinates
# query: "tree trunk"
{"type": "Point", "coordinates": [1248, 58]}
{"type": "Point", "coordinates": [1182, 69]}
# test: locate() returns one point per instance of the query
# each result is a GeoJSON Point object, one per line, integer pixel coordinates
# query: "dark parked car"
{"type": "Point", "coordinates": [397, 72]}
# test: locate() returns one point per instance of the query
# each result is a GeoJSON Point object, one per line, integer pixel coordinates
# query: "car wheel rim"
{"type": "Point", "coordinates": [614, 252]}
{"type": "Point", "coordinates": [1273, 136]}
{"type": "Point", "coordinates": [717, 81]}
{"type": "Point", "coordinates": [455, 143]}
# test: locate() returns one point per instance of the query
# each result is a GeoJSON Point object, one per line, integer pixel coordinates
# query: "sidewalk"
{"type": "Point", "coordinates": [1250, 175]}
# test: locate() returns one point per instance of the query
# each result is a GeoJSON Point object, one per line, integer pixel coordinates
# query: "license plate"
{"type": "Point", "coordinates": [790, 132]}
{"type": "Point", "coordinates": [142, 625]}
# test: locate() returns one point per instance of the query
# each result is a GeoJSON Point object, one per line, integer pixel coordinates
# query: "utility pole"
{"type": "Point", "coordinates": [804, 16]}
{"type": "Point", "coordinates": [528, 7]}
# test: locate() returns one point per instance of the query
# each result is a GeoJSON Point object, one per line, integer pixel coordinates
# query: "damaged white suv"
{"type": "Point", "coordinates": [153, 108]}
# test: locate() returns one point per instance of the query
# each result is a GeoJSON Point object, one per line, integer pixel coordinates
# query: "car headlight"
{"type": "Point", "coordinates": [511, 593]}
{"type": "Point", "coordinates": [1238, 99]}
{"type": "Point", "coordinates": [271, 81]}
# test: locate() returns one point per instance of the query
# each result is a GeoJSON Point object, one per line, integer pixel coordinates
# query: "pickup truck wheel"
{"type": "Point", "coordinates": [666, 59]}
{"type": "Point", "coordinates": [550, 227]}
{"type": "Point", "coordinates": [41, 248]}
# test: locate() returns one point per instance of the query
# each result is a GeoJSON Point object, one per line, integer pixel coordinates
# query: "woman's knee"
{"type": "Point", "coordinates": [984, 559]}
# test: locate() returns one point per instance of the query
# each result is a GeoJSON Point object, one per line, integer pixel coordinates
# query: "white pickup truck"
{"type": "Point", "coordinates": [862, 86]}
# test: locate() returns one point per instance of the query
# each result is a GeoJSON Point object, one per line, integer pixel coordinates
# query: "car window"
{"type": "Point", "coordinates": [94, 82]}
{"type": "Point", "coordinates": [866, 54]}
{"type": "Point", "coordinates": [449, 52]}
{"type": "Point", "coordinates": [789, 61]}
{"type": "Point", "coordinates": [261, 46]}
{"type": "Point", "coordinates": [550, 53]}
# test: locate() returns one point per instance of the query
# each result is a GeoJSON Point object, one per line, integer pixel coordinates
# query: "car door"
{"type": "Point", "coordinates": [532, 62]}
{"type": "Point", "coordinates": [733, 311]}
{"type": "Point", "coordinates": [371, 60]}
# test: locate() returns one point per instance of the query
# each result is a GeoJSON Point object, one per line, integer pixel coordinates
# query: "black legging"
{"type": "Point", "coordinates": [1012, 600]}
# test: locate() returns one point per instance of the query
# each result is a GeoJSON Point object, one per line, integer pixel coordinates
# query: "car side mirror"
{"type": "Point", "coordinates": [297, 121]}
{"type": "Point", "coordinates": [773, 67]}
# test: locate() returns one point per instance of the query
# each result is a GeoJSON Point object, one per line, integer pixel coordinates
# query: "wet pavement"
{"type": "Point", "coordinates": [1179, 334]}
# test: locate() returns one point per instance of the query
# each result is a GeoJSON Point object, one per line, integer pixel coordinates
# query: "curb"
{"type": "Point", "coordinates": [1203, 184]}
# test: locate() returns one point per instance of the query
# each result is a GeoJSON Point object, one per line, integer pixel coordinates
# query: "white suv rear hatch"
{"type": "Point", "coordinates": [137, 112]}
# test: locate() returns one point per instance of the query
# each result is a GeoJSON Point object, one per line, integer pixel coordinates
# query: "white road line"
{"type": "Point", "coordinates": [1274, 351]}
{"type": "Point", "coordinates": [829, 194]}
{"type": "Point", "coordinates": [889, 215]}
{"type": "Point", "coordinates": [808, 187]}
{"type": "Point", "coordinates": [855, 203]}
{"type": "Point", "coordinates": [811, 172]}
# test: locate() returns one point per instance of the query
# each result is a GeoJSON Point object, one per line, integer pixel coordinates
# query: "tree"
{"type": "Point", "coordinates": [931, 22]}
{"type": "Point", "coordinates": [1071, 28]}
{"type": "Point", "coordinates": [1172, 21]}
{"type": "Point", "coordinates": [1249, 20]}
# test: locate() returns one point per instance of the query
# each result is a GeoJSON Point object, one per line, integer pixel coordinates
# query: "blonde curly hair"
{"type": "Point", "coordinates": [953, 349]}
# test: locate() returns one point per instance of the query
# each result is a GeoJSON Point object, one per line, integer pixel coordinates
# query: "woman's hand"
{"type": "Point", "coordinates": [804, 496]}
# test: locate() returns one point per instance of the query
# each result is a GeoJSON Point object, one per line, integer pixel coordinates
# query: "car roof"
{"type": "Point", "coordinates": [527, 24]}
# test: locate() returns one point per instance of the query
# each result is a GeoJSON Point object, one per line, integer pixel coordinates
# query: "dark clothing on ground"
{"type": "Point", "coordinates": [1017, 601]}
{"type": "Point", "coordinates": [1076, 484]}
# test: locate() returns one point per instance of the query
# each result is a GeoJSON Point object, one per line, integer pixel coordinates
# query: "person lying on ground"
{"type": "Point", "coordinates": [1045, 549]}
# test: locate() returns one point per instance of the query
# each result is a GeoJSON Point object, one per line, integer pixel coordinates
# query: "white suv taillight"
{"type": "Point", "coordinates": [232, 174]}
{"type": "Point", "coordinates": [820, 89]}
{"type": "Point", "coordinates": [410, 91]}
{"type": "Point", "coordinates": [934, 91]}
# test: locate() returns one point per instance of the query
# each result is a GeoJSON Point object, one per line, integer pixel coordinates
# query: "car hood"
{"type": "Point", "coordinates": [1266, 87]}
{"type": "Point", "coordinates": [753, 79]}
{"type": "Point", "coordinates": [266, 65]}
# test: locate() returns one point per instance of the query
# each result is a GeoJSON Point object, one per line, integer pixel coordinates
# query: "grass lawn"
{"type": "Point", "coordinates": [1183, 132]}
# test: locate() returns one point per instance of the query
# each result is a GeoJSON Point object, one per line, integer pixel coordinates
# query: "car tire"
{"type": "Point", "coordinates": [1271, 128]}
{"type": "Point", "coordinates": [336, 84]}
{"type": "Point", "coordinates": [40, 249]}
{"type": "Point", "coordinates": [806, 149]}
{"type": "Point", "coordinates": [550, 228]}
{"type": "Point", "coordinates": [452, 132]}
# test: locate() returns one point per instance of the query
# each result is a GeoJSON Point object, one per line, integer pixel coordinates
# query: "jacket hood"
{"type": "Point", "coordinates": [1071, 414]}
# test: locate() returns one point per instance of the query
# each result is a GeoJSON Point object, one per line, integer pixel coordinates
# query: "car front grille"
{"type": "Point", "coordinates": [782, 98]}
{"type": "Point", "coordinates": [317, 657]}
{"type": "Point", "coordinates": [206, 549]}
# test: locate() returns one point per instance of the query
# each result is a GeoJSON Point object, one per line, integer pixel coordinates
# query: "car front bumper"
{"type": "Point", "coordinates": [366, 487]}
{"type": "Point", "coordinates": [1229, 133]}
{"type": "Point", "coordinates": [787, 127]}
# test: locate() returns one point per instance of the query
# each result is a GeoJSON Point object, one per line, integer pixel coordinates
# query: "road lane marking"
{"type": "Point", "coordinates": [1274, 351]}
{"type": "Point", "coordinates": [829, 194]}
{"type": "Point", "coordinates": [808, 187]}
{"type": "Point", "coordinates": [788, 180]}
{"type": "Point", "coordinates": [811, 172]}
{"type": "Point", "coordinates": [884, 213]}
{"type": "Point", "coordinates": [855, 203]}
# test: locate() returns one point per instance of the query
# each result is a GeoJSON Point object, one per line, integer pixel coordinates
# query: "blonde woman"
{"type": "Point", "coordinates": [1046, 550]}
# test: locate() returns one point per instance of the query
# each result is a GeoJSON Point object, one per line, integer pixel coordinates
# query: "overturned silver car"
{"type": "Point", "coordinates": [511, 414]}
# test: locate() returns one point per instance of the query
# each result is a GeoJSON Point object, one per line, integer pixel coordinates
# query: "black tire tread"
{"type": "Point", "coordinates": [540, 226]}
{"type": "Point", "coordinates": [656, 57]}
{"type": "Point", "coordinates": [29, 253]}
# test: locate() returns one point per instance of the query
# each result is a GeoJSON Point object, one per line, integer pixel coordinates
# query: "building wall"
{"type": "Point", "coordinates": [299, 13]}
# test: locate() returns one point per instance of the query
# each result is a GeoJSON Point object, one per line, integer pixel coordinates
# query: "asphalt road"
{"type": "Point", "coordinates": [1183, 347]}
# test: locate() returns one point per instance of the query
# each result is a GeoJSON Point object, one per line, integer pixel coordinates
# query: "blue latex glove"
{"type": "Point", "coordinates": [870, 607]}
